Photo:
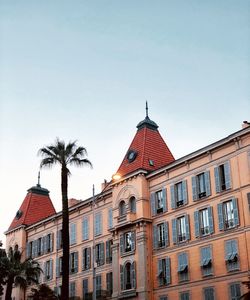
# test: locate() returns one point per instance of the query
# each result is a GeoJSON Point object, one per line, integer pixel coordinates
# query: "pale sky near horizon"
{"type": "Point", "coordinates": [82, 70]}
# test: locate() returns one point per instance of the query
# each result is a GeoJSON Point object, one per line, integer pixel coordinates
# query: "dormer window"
{"type": "Point", "coordinates": [19, 213]}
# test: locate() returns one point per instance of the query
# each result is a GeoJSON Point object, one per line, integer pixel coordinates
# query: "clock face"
{"type": "Point", "coordinates": [131, 156]}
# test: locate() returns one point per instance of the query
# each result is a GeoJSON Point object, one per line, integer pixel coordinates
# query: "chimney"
{"type": "Point", "coordinates": [104, 184]}
{"type": "Point", "coordinates": [245, 124]}
{"type": "Point", "coordinates": [72, 202]}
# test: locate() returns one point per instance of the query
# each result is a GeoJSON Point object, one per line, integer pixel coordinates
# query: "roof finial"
{"type": "Point", "coordinates": [38, 181]}
{"type": "Point", "coordinates": [146, 109]}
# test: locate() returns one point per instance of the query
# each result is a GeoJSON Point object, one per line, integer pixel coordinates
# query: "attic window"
{"type": "Point", "coordinates": [151, 162]}
{"type": "Point", "coordinates": [131, 155]}
{"type": "Point", "coordinates": [19, 214]}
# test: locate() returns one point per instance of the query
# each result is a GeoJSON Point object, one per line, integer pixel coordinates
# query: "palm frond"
{"type": "Point", "coordinates": [80, 162]}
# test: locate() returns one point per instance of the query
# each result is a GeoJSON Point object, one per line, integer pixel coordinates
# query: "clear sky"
{"type": "Point", "coordinates": [82, 70]}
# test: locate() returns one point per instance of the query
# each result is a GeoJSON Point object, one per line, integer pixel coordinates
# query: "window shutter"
{"type": "Point", "coordinates": [184, 192]}
{"type": "Point", "coordinates": [36, 248]}
{"type": "Point", "coordinates": [164, 199]}
{"type": "Point", "coordinates": [220, 216]}
{"type": "Point", "coordinates": [203, 256]}
{"type": "Point", "coordinates": [235, 212]}
{"type": "Point", "coordinates": [100, 226]}
{"type": "Point", "coordinates": [194, 188]}
{"type": "Point", "coordinates": [57, 267]}
{"type": "Point", "coordinates": [187, 227]}
{"type": "Point", "coordinates": [133, 275]}
{"type": "Point", "coordinates": [180, 261]}
{"type": "Point", "coordinates": [40, 279]}
{"type": "Point", "coordinates": [88, 257]}
{"type": "Point", "coordinates": [160, 270]}
{"type": "Point", "coordinates": [85, 229]}
{"type": "Point", "coordinates": [235, 291]}
{"type": "Point", "coordinates": [51, 241]}
{"type": "Point", "coordinates": [209, 293]}
{"type": "Point", "coordinates": [173, 198]}
{"type": "Point", "coordinates": [44, 271]}
{"type": "Point", "coordinates": [121, 243]}
{"type": "Point", "coordinates": [227, 175]}
{"type": "Point", "coordinates": [132, 241]}
{"type": "Point", "coordinates": [85, 287]}
{"type": "Point", "coordinates": [185, 259]}
{"type": "Point", "coordinates": [96, 224]}
{"type": "Point", "coordinates": [228, 250]}
{"type": "Point", "coordinates": [207, 183]}
{"type": "Point", "coordinates": [121, 277]}
{"type": "Point", "coordinates": [166, 233]}
{"type": "Point", "coordinates": [155, 237]}
{"type": "Point", "coordinates": [107, 252]}
{"type": "Point", "coordinates": [174, 230]}
{"type": "Point", "coordinates": [196, 223]}
{"type": "Point", "coordinates": [210, 219]}
{"type": "Point", "coordinates": [42, 246]}
{"type": "Point", "coordinates": [83, 259]}
{"type": "Point", "coordinates": [102, 257]}
{"type": "Point", "coordinates": [72, 233]}
{"type": "Point", "coordinates": [108, 281]}
{"type": "Point", "coordinates": [110, 217]}
{"type": "Point", "coordinates": [217, 180]}
{"type": "Point", "coordinates": [76, 261]}
{"type": "Point", "coordinates": [33, 249]}
{"type": "Point", "coordinates": [51, 269]}
{"type": "Point", "coordinates": [57, 240]}
{"type": "Point", "coordinates": [153, 206]}
{"type": "Point", "coordinates": [234, 247]}
{"type": "Point", "coordinates": [168, 270]}
{"type": "Point", "coordinates": [27, 250]}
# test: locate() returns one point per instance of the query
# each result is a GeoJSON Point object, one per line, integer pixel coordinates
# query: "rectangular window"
{"type": "Point", "coordinates": [110, 218]}
{"type": "Point", "coordinates": [85, 229]}
{"type": "Point", "coordinates": [231, 255]}
{"type": "Point", "coordinates": [228, 214]}
{"type": "Point", "coordinates": [85, 288]}
{"type": "Point", "coordinates": [158, 202]}
{"type": "Point", "coordinates": [184, 296]}
{"type": "Point", "coordinates": [164, 276]}
{"type": "Point", "coordinates": [160, 235]}
{"type": "Point", "coordinates": [98, 223]}
{"type": "Point", "coordinates": [48, 243]}
{"type": "Point", "coordinates": [86, 258]}
{"type": "Point", "coordinates": [180, 229]}
{"type": "Point", "coordinates": [73, 262]}
{"type": "Point", "coordinates": [39, 246]}
{"type": "Point", "coordinates": [58, 266]}
{"type": "Point", "coordinates": [59, 239]}
{"type": "Point", "coordinates": [127, 242]}
{"type": "Point", "coordinates": [235, 292]}
{"type": "Point", "coordinates": [163, 298]}
{"type": "Point", "coordinates": [109, 282]}
{"type": "Point", "coordinates": [206, 261]}
{"type": "Point", "coordinates": [183, 266]}
{"type": "Point", "coordinates": [72, 289]}
{"type": "Point", "coordinates": [98, 285]}
{"type": "Point", "coordinates": [109, 244]}
{"type": "Point", "coordinates": [48, 270]}
{"type": "Point", "coordinates": [179, 194]}
{"type": "Point", "coordinates": [99, 254]}
{"type": "Point", "coordinates": [201, 186]}
{"type": "Point", "coordinates": [203, 220]}
{"type": "Point", "coordinates": [128, 276]}
{"type": "Point", "coordinates": [208, 293]}
{"type": "Point", "coordinates": [72, 234]}
{"type": "Point", "coordinates": [222, 177]}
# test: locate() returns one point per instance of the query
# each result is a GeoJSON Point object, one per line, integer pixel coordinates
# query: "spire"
{"type": "Point", "coordinates": [147, 122]}
{"type": "Point", "coordinates": [146, 109]}
{"type": "Point", "coordinates": [38, 180]}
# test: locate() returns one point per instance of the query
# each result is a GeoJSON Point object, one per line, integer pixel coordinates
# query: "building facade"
{"type": "Point", "coordinates": [164, 229]}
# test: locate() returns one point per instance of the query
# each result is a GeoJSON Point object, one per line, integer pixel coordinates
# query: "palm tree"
{"type": "Point", "coordinates": [64, 155]}
{"type": "Point", "coordinates": [17, 272]}
{"type": "Point", "coordinates": [43, 293]}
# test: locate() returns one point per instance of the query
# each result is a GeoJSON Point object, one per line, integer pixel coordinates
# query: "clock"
{"type": "Point", "coordinates": [131, 155]}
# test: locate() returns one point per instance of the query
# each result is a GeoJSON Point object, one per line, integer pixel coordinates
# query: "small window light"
{"type": "Point", "coordinates": [19, 214]}
{"type": "Point", "coordinates": [151, 162]}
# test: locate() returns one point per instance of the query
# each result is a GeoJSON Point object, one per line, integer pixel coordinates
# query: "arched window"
{"type": "Point", "coordinates": [132, 204]}
{"type": "Point", "coordinates": [128, 276]}
{"type": "Point", "coordinates": [122, 208]}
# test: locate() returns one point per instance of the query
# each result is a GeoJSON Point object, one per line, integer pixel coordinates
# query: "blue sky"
{"type": "Point", "coordinates": [84, 69]}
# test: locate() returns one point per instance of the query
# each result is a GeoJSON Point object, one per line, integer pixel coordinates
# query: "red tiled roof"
{"type": "Point", "coordinates": [149, 145]}
{"type": "Point", "coordinates": [36, 206]}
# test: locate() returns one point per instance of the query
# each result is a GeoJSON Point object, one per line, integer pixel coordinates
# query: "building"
{"type": "Point", "coordinates": [163, 229]}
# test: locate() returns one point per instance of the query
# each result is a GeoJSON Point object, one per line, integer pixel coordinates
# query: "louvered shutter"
{"type": "Point", "coordinates": [220, 216]}
{"type": "Point", "coordinates": [85, 229]}
{"type": "Point", "coordinates": [160, 270]}
{"type": "Point", "coordinates": [235, 291]}
{"type": "Point", "coordinates": [83, 259]}
{"type": "Point", "coordinates": [164, 199]}
{"type": "Point", "coordinates": [132, 241]}
{"type": "Point", "coordinates": [121, 277]}
{"type": "Point", "coordinates": [196, 224]}
{"type": "Point", "coordinates": [72, 233]}
{"type": "Point", "coordinates": [42, 246]}
{"type": "Point", "coordinates": [121, 243]}
{"type": "Point", "coordinates": [174, 231]}
{"type": "Point", "coordinates": [217, 179]}
{"type": "Point", "coordinates": [33, 249]}
{"type": "Point", "coordinates": [234, 247]}
{"type": "Point", "coordinates": [45, 271]}
{"type": "Point", "coordinates": [85, 287]}
{"type": "Point", "coordinates": [110, 218]}
{"type": "Point", "coordinates": [153, 206]}
{"type": "Point", "coordinates": [57, 240]}
{"type": "Point", "coordinates": [51, 269]}
{"type": "Point", "coordinates": [40, 278]}
{"type": "Point", "coordinates": [228, 250]}
{"type": "Point", "coordinates": [57, 267]}
{"type": "Point", "coordinates": [227, 175]}
{"type": "Point", "coordinates": [155, 236]}
{"type": "Point", "coordinates": [194, 188]}
{"type": "Point", "coordinates": [207, 183]}
{"type": "Point", "coordinates": [235, 212]}
{"type": "Point", "coordinates": [133, 275]}
{"type": "Point", "coordinates": [76, 262]}
{"type": "Point", "coordinates": [27, 250]}
{"type": "Point", "coordinates": [102, 256]}
{"type": "Point", "coordinates": [107, 252]}
{"type": "Point", "coordinates": [109, 281]}
{"type": "Point", "coordinates": [88, 257]}
{"type": "Point", "coordinates": [210, 219]}
{"type": "Point", "coordinates": [209, 294]}
{"type": "Point", "coordinates": [168, 270]}
{"type": "Point", "coordinates": [184, 192]}
{"type": "Point", "coordinates": [173, 197]}
{"type": "Point", "coordinates": [187, 227]}
{"type": "Point", "coordinates": [166, 233]}
{"type": "Point", "coordinates": [51, 241]}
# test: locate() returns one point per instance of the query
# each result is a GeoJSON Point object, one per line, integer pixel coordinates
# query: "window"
{"type": "Point", "coordinates": [184, 296]}
{"type": "Point", "coordinates": [248, 200]}
{"type": "Point", "coordinates": [228, 214]}
{"type": "Point", "coordinates": [85, 229]}
{"type": "Point", "coordinates": [122, 208]}
{"type": "Point", "coordinates": [72, 289]}
{"type": "Point", "coordinates": [160, 235]}
{"type": "Point", "coordinates": [231, 255]}
{"type": "Point", "coordinates": [72, 234]}
{"type": "Point", "coordinates": [208, 293]}
{"type": "Point", "coordinates": [179, 194]}
{"type": "Point", "coordinates": [164, 271]}
{"type": "Point", "coordinates": [85, 288]}
{"type": "Point", "coordinates": [109, 282]}
{"type": "Point", "coordinates": [110, 218]}
{"type": "Point", "coordinates": [109, 244]}
{"type": "Point", "coordinates": [73, 262]}
{"type": "Point", "coordinates": [235, 292]}
{"type": "Point", "coordinates": [127, 242]}
{"type": "Point", "coordinates": [158, 202]}
{"type": "Point", "coordinates": [99, 254]}
{"type": "Point", "coordinates": [183, 266]}
{"type": "Point", "coordinates": [180, 229]}
{"type": "Point", "coordinates": [128, 276]}
{"type": "Point", "coordinates": [201, 186]}
{"type": "Point", "coordinates": [203, 221]}
{"type": "Point", "coordinates": [58, 266]}
{"type": "Point", "coordinates": [86, 258]}
{"type": "Point", "coordinates": [48, 270]}
{"type": "Point", "coordinates": [206, 261]}
{"type": "Point", "coordinates": [59, 239]}
{"type": "Point", "coordinates": [163, 298]}
{"type": "Point", "coordinates": [222, 177]}
{"type": "Point", "coordinates": [98, 223]}
{"type": "Point", "coordinates": [48, 243]}
{"type": "Point", "coordinates": [132, 204]}
{"type": "Point", "coordinates": [29, 247]}
{"type": "Point", "coordinates": [98, 285]}
{"type": "Point", "coordinates": [39, 247]}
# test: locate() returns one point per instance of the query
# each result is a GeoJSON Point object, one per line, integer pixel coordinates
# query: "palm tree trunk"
{"type": "Point", "coordinates": [8, 293]}
{"type": "Point", "coordinates": [65, 234]}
